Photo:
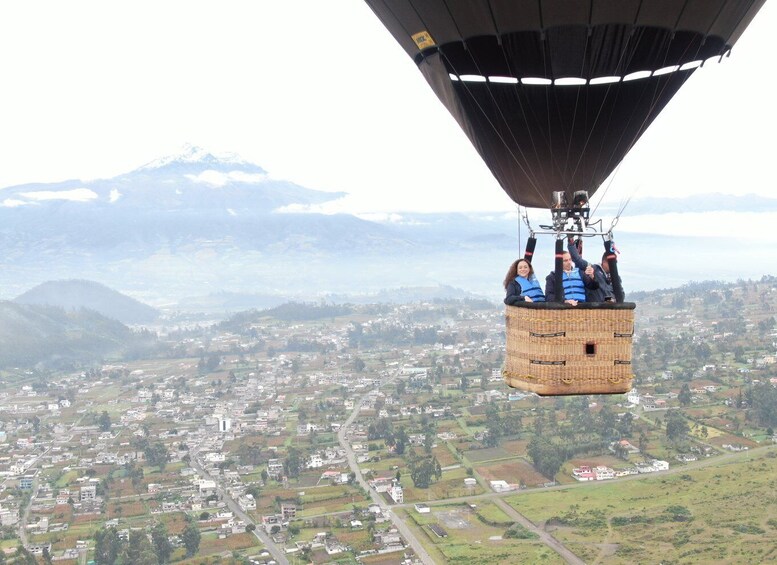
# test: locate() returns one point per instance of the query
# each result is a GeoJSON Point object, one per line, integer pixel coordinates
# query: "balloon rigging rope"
{"type": "Point", "coordinates": [657, 94]}
{"type": "Point", "coordinates": [525, 167]}
{"type": "Point", "coordinates": [513, 73]}
{"type": "Point", "coordinates": [571, 133]}
{"type": "Point", "coordinates": [530, 173]}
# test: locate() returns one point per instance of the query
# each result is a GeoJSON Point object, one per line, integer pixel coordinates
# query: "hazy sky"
{"type": "Point", "coordinates": [319, 93]}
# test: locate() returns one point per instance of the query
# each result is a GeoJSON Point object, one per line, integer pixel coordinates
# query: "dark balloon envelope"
{"type": "Point", "coordinates": [554, 93]}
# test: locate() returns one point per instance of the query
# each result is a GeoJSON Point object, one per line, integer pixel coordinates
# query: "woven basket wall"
{"type": "Point", "coordinates": [558, 350]}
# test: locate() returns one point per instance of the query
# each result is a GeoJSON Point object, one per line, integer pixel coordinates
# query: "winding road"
{"type": "Point", "coordinates": [277, 553]}
{"type": "Point", "coordinates": [404, 530]}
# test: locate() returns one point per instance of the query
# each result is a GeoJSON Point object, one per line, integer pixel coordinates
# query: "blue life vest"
{"type": "Point", "coordinates": [531, 288]}
{"type": "Point", "coordinates": [574, 288]}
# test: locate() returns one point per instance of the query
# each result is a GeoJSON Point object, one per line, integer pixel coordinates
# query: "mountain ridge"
{"type": "Point", "coordinates": [76, 294]}
{"type": "Point", "coordinates": [199, 223]}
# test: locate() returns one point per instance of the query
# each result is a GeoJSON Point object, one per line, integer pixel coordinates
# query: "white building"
{"type": "Point", "coordinates": [660, 465]}
{"type": "Point", "coordinates": [89, 492]}
{"type": "Point", "coordinates": [603, 473]}
{"type": "Point", "coordinates": [396, 494]}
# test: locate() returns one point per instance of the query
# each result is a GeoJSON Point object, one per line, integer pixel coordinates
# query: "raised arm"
{"type": "Point", "coordinates": [579, 262]}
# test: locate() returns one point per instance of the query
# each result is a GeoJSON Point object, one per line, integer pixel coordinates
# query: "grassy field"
{"type": "Point", "coordinates": [488, 454]}
{"type": "Point", "coordinates": [514, 471]}
{"type": "Point", "coordinates": [473, 541]}
{"type": "Point", "coordinates": [450, 485]}
{"type": "Point", "coordinates": [323, 500]}
{"type": "Point", "coordinates": [726, 513]}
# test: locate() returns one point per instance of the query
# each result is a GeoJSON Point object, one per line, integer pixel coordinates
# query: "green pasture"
{"type": "Point", "coordinates": [325, 500]}
{"type": "Point", "coordinates": [470, 540]}
{"type": "Point", "coordinates": [451, 485]}
{"type": "Point", "coordinates": [716, 514]}
{"type": "Point", "coordinates": [487, 454]}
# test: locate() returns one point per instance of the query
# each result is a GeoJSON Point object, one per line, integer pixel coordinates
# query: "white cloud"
{"type": "Point", "coordinates": [75, 195]}
{"type": "Point", "coordinates": [710, 224]}
{"type": "Point", "coordinates": [303, 209]}
{"type": "Point", "coordinates": [114, 196]}
{"type": "Point", "coordinates": [231, 212]}
{"type": "Point", "coordinates": [383, 217]}
{"type": "Point", "coordinates": [219, 179]}
{"type": "Point", "coordinates": [13, 203]}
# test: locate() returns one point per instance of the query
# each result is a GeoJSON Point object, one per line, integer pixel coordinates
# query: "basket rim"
{"type": "Point", "coordinates": [580, 306]}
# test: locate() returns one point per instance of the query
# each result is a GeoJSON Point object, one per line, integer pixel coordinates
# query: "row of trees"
{"type": "Point", "coordinates": [141, 548]}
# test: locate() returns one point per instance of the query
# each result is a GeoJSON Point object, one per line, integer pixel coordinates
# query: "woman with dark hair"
{"type": "Point", "coordinates": [521, 285]}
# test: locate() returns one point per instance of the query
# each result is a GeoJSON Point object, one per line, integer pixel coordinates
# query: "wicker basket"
{"type": "Point", "coordinates": [557, 349]}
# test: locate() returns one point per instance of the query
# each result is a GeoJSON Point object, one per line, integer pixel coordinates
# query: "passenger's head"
{"type": "Point", "coordinates": [524, 268]}
{"type": "Point", "coordinates": [567, 262]}
{"type": "Point", "coordinates": [520, 267]}
{"type": "Point", "coordinates": [605, 262]}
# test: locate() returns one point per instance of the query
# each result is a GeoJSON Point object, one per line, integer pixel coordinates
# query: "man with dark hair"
{"type": "Point", "coordinates": [605, 291]}
{"type": "Point", "coordinates": [576, 283]}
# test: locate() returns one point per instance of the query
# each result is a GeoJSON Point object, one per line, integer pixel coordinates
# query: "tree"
{"type": "Point", "coordinates": [104, 422]}
{"type": "Point", "coordinates": [676, 426]}
{"type": "Point", "coordinates": [107, 546]}
{"type": "Point", "coordinates": [140, 550]}
{"type": "Point", "coordinates": [157, 455]}
{"type": "Point", "coordinates": [424, 470]}
{"type": "Point", "coordinates": [162, 546]}
{"type": "Point", "coordinates": [626, 424]}
{"type": "Point", "coordinates": [621, 451]}
{"type": "Point", "coordinates": [293, 463]}
{"type": "Point", "coordinates": [191, 539]}
{"type": "Point", "coordinates": [685, 395]}
{"type": "Point", "coordinates": [493, 426]}
{"type": "Point", "coordinates": [546, 456]}
{"type": "Point", "coordinates": [24, 557]}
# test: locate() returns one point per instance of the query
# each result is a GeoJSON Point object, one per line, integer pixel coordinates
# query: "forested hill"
{"type": "Point", "coordinates": [77, 294]}
{"type": "Point", "coordinates": [31, 334]}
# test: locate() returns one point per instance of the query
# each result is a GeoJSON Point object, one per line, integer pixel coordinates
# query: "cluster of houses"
{"type": "Point", "coordinates": [603, 473]}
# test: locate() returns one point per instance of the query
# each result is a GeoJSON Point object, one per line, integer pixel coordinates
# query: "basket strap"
{"type": "Point", "coordinates": [555, 334]}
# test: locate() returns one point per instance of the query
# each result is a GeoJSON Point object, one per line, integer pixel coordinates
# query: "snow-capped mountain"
{"type": "Point", "coordinates": [196, 223]}
{"type": "Point", "coordinates": [193, 179]}
{"type": "Point", "coordinates": [190, 221]}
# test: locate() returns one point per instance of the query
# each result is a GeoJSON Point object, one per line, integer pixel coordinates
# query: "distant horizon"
{"type": "Point", "coordinates": [365, 120]}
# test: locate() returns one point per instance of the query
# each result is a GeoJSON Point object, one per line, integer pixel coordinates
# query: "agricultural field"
{"type": "Point", "coordinates": [722, 513]}
{"type": "Point", "coordinates": [474, 536]}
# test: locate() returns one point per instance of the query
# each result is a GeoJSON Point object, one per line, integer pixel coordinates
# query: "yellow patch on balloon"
{"type": "Point", "coordinates": [423, 40]}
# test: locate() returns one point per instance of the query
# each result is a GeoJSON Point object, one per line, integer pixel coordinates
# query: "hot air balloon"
{"type": "Point", "coordinates": [553, 94]}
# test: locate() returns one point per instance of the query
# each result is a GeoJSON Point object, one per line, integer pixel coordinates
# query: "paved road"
{"type": "Point", "coordinates": [544, 536]}
{"type": "Point", "coordinates": [278, 554]}
{"type": "Point", "coordinates": [404, 530]}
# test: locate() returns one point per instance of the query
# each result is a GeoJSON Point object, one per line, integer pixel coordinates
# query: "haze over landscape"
{"type": "Point", "coordinates": [193, 224]}
{"type": "Point", "coordinates": [251, 305]}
